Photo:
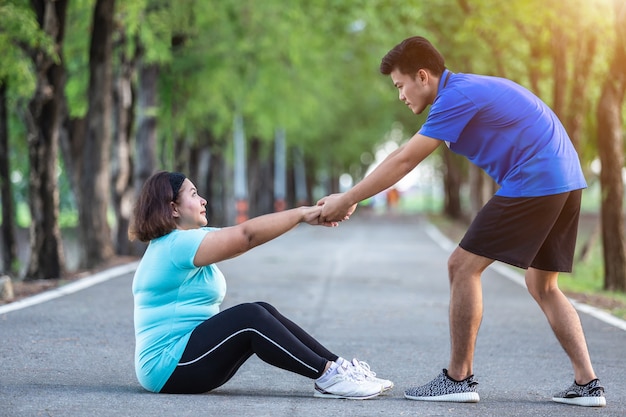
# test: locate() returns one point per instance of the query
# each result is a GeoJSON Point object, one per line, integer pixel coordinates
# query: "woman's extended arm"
{"type": "Point", "coordinates": [235, 240]}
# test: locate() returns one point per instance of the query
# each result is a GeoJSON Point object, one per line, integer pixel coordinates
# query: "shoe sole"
{"type": "Point", "coordinates": [461, 397]}
{"type": "Point", "coordinates": [318, 394]}
{"type": "Point", "coordinates": [582, 401]}
{"type": "Point", "coordinates": [387, 388]}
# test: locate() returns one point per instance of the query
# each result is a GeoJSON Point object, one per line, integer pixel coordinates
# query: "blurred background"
{"type": "Point", "coordinates": [271, 104]}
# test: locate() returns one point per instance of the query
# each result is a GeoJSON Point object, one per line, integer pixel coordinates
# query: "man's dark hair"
{"type": "Point", "coordinates": [411, 55]}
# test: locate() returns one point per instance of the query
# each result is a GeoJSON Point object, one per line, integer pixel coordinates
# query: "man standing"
{"type": "Point", "coordinates": [531, 222]}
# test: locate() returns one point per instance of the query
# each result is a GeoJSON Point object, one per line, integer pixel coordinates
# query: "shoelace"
{"type": "Point", "coordinates": [352, 373]}
{"type": "Point", "coordinates": [363, 368]}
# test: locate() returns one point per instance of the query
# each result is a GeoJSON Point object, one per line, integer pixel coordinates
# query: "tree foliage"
{"type": "Point", "coordinates": [309, 68]}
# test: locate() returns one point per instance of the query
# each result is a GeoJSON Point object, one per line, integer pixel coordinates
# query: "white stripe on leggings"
{"type": "Point", "coordinates": [235, 334]}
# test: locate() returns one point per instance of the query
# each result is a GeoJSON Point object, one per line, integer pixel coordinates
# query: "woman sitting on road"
{"type": "Point", "coordinates": [184, 344]}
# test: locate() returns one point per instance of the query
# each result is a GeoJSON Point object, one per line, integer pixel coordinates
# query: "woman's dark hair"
{"type": "Point", "coordinates": [411, 55]}
{"type": "Point", "coordinates": [152, 215]}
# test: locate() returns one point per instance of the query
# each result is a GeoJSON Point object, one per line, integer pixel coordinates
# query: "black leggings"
{"type": "Point", "coordinates": [220, 345]}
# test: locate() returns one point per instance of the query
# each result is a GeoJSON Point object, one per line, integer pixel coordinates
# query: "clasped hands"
{"type": "Point", "coordinates": [330, 210]}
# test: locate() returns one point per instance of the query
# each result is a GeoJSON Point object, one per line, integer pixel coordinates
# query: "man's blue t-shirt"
{"type": "Point", "coordinates": [172, 297]}
{"type": "Point", "coordinates": [507, 131]}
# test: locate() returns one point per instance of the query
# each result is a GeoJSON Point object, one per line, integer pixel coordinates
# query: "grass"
{"type": "Point", "coordinates": [586, 283]}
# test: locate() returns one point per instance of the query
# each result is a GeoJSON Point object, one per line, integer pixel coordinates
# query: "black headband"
{"type": "Point", "coordinates": [176, 181]}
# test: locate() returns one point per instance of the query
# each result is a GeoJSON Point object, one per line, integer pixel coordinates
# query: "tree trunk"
{"type": "Point", "coordinates": [310, 179]}
{"type": "Point", "coordinates": [193, 165]}
{"type": "Point", "coordinates": [260, 180]}
{"type": "Point", "coordinates": [534, 68]}
{"type": "Point", "coordinates": [579, 102]}
{"type": "Point", "coordinates": [302, 183]}
{"type": "Point", "coordinates": [145, 143]}
{"type": "Point", "coordinates": [9, 245]}
{"type": "Point", "coordinates": [72, 138]}
{"type": "Point", "coordinates": [559, 68]}
{"type": "Point", "coordinates": [482, 188]}
{"type": "Point", "coordinates": [121, 164]}
{"type": "Point", "coordinates": [452, 180]}
{"type": "Point", "coordinates": [43, 120]}
{"type": "Point", "coordinates": [611, 150]}
{"type": "Point", "coordinates": [94, 230]}
{"type": "Point", "coordinates": [255, 178]}
{"type": "Point", "coordinates": [215, 181]}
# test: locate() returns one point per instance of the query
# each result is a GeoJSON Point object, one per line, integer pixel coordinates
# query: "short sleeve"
{"type": "Point", "coordinates": [184, 245]}
{"type": "Point", "coordinates": [448, 116]}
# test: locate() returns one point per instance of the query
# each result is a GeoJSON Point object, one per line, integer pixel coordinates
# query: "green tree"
{"type": "Point", "coordinates": [20, 34]}
{"type": "Point", "coordinates": [124, 103]}
{"type": "Point", "coordinates": [9, 255]}
{"type": "Point", "coordinates": [94, 197]}
{"type": "Point", "coordinates": [611, 151]}
{"type": "Point", "coordinates": [180, 72]}
{"type": "Point", "coordinates": [88, 138]}
{"type": "Point", "coordinates": [43, 118]}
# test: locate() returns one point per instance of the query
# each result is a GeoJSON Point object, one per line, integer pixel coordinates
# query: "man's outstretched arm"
{"type": "Point", "coordinates": [399, 163]}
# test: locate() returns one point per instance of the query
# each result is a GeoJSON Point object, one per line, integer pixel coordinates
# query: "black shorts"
{"type": "Point", "coordinates": [537, 232]}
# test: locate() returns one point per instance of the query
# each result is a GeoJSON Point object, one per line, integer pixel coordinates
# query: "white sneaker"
{"type": "Point", "coordinates": [364, 369]}
{"type": "Point", "coordinates": [346, 384]}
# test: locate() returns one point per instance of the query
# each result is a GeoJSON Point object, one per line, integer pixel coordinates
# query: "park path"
{"type": "Point", "coordinates": [375, 288]}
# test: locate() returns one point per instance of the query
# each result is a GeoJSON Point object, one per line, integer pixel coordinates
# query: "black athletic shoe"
{"type": "Point", "coordinates": [589, 395]}
{"type": "Point", "coordinates": [443, 388]}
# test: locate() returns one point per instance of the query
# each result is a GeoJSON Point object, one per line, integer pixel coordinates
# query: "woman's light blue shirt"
{"type": "Point", "coordinates": [172, 297]}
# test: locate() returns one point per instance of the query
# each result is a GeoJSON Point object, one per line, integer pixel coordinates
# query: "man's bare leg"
{"type": "Point", "coordinates": [563, 319]}
{"type": "Point", "coordinates": [466, 309]}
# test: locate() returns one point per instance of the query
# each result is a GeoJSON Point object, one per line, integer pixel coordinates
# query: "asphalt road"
{"type": "Point", "coordinates": [375, 288]}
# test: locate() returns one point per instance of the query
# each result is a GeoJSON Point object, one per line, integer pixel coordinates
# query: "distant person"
{"type": "Point", "coordinates": [530, 223]}
{"type": "Point", "coordinates": [184, 343]}
{"type": "Point", "coordinates": [393, 199]}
